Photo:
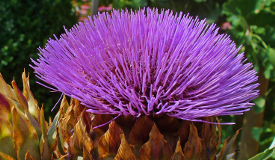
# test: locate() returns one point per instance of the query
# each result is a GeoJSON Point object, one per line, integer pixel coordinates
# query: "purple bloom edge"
{"type": "Point", "coordinates": [146, 63]}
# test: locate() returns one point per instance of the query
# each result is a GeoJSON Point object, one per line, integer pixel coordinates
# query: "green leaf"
{"type": "Point", "coordinates": [241, 7]}
{"type": "Point", "coordinates": [259, 30]}
{"type": "Point", "coordinates": [271, 55]}
{"type": "Point", "coordinates": [52, 132]}
{"type": "Point", "coordinates": [263, 18]}
{"type": "Point", "coordinates": [117, 4]}
{"type": "Point", "coordinates": [35, 124]}
{"type": "Point", "coordinates": [214, 14]}
{"type": "Point", "coordinates": [269, 36]}
{"type": "Point", "coordinates": [263, 155]}
{"type": "Point", "coordinates": [134, 4]}
{"type": "Point", "coordinates": [139, 3]}
{"type": "Point", "coordinates": [199, 1]}
{"type": "Point", "coordinates": [31, 146]}
{"type": "Point", "coordinates": [256, 133]}
{"type": "Point", "coordinates": [259, 104]}
{"type": "Point", "coordinates": [7, 146]}
{"type": "Point", "coordinates": [268, 71]}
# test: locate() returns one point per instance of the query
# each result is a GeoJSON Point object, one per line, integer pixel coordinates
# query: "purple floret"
{"type": "Point", "coordinates": [146, 63]}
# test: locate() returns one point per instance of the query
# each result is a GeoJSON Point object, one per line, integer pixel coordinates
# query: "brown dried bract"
{"type": "Point", "coordinates": [140, 131]}
{"type": "Point", "coordinates": [194, 147]}
{"type": "Point", "coordinates": [109, 143]}
{"type": "Point", "coordinates": [124, 151]}
{"type": "Point", "coordinates": [178, 155]}
{"type": "Point", "coordinates": [156, 148]}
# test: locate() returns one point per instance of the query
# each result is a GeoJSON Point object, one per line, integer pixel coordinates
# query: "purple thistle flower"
{"type": "Point", "coordinates": [146, 63]}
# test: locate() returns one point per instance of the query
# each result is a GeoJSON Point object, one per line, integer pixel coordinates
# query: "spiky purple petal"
{"type": "Point", "coordinates": [135, 63]}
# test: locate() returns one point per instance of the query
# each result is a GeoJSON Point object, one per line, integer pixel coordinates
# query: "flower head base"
{"type": "Point", "coordinates": [136, 63]}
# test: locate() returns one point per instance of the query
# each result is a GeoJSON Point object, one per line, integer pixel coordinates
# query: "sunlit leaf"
{"type": "Point", "coordinates": [263, 155]}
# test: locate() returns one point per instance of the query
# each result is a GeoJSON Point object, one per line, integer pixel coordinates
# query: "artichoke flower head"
{"type": "Point", "coordinates": [142, 84]}
{"type": "Point", "coordinates": [149, 63]}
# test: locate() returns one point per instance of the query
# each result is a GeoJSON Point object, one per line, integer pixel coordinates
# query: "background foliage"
{"type": "Point", "coordinates": [25, 25]}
